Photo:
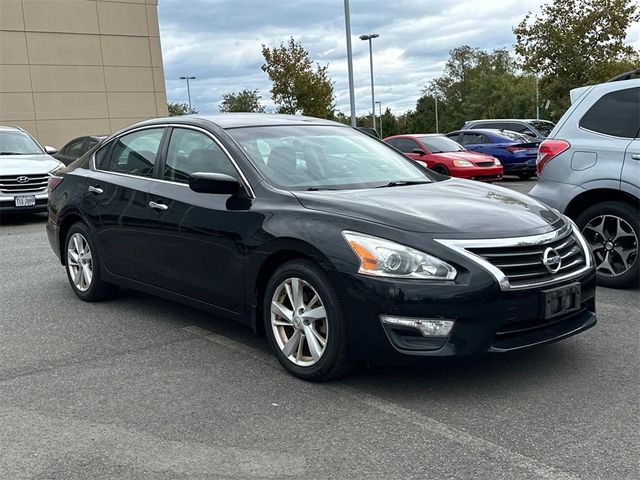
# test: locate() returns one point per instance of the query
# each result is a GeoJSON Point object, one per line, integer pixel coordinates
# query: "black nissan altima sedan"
{"type": "Point", "coordinates": [331, 243]}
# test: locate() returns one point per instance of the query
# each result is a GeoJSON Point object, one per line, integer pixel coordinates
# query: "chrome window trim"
{"type": "Point", "coordinates": [461, 246]}
{"type": "Point", "coordinates": [243, 178]}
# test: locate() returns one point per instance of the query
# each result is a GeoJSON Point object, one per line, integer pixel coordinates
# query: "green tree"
{"type": "Point", "coordinates": [475, 84]}
{"type": "Point", "coordinates": [176, 109]}
{"type": "Point", "coordinates": [298, 88]}
{"type": "Point", "coordinates": [576, 42]}
{"type": "Point", "coordinates": [243, 101]}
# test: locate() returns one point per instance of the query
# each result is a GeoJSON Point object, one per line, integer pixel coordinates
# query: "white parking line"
{"type": "Point", "coordinates": [481, 447]}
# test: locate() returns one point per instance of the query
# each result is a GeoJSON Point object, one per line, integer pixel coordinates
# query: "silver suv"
{"type": "Point", "coordinates": [25, 168]}
{"type": "Point", "coordinates": [589, 168]}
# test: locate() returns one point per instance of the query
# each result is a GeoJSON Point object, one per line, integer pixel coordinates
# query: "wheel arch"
{"type": "Point", "coordinates": [67, 222]}
{"type": "Point", "coordinates": [592, 197]}
{"type": "Point", "coordinates": [284, 250]}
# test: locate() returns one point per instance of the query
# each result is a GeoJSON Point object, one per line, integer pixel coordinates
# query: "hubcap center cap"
{"type": "Point", "coordinates": [608, 245]}
{"type": "Point", "coordinates": [297, 322]}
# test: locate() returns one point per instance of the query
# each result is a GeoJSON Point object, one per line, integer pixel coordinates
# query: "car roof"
{"type": "Point", "coordinates": [490, 131]}
{"type": "Point", "coordinates": [239, 120]}
{"type": "Point", "coordinates": [488, 120]}
{"type": "Point", "coordinates": [10, 128]}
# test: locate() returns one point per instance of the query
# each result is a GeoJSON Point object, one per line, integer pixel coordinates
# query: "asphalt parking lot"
{"type": "Point", "coordinates": [138, 387]}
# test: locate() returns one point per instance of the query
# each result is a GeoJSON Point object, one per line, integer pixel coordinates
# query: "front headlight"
{"type": "Point", "coordinates": [383, 258]}
{"type": "Point", "coordinates": [496, 162]}
{"type": "Point", "coordinates": [462, 163]}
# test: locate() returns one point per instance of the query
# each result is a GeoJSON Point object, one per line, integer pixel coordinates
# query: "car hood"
{"type": "Point", "coordinates": [27, 164]}
{"type": "Point", "coordinates": [469, 156]}
{"type": "Point", "coordinates": [455, 207]}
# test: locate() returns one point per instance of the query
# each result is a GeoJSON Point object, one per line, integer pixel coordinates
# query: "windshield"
{"type": "Point", "coordinates": [18, 143]}
{"type": "Point", "coordinates": [543, 127]}
{"type": "Point", "coordinates": [441, 144]}
{"type": "Point", "coordinates": [315, 157]}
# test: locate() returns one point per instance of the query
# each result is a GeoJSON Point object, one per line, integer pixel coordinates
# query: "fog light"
{"type": "Point", "coordinates": [429, 327]}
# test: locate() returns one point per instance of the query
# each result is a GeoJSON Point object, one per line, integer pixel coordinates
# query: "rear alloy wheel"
{"type": "Point", "coordinates": [81, 258]}
{"type": "Point", "coordinates": [611, 231]}
{"type": "Point", "coordinates": [304, 323]}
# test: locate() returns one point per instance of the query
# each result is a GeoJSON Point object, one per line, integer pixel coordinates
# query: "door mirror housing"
{"type": "Point", "coordinates": [417, 151]}
{"type": "Point", "coordinates": [214, 183]}
{"type": "Point", "coordinates": [50, 150]}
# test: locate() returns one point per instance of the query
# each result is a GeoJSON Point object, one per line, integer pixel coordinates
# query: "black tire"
{"type": "Point", "coordinates": [441, 169]}
{"type": "Point", "coordinates": [631, 215]}
{"type": "Point", "coordinates": [525, 175]}
{"type": "Point", "coordinates": [97, 288]}
{"type": "Point", "coordinates": [334, 360]}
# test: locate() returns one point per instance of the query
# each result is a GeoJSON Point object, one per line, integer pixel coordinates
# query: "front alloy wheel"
{"type": "Point", "coordinates": [304, 321]}
{"type": "Point", "coordinates": [299, 322]}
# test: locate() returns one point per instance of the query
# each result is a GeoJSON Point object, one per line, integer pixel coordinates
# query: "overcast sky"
{"type": "Point", "coordinates": [219, 42]}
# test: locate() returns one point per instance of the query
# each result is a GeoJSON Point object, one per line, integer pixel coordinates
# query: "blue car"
{"type": "Point", "coordinates": [517, 152]}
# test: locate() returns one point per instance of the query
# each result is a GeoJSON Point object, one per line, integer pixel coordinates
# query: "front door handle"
{"type": "Point", "coordinates": [96, 190]}
{"type": "Point", "coordinates": [158, 206]}
{"type": "Point", "coordinates": [636, 156]}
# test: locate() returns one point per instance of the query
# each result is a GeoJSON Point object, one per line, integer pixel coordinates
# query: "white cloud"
{"type": "Point", "coordinates": [219, 42]}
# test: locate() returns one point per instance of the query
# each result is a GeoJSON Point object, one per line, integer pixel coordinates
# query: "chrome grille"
{"type": "Point", "coordinates": [523, 265]}
{"type": "Point", "coordinates": [34, 183]}
{"type": "Point", "coordinates": [518, 262]}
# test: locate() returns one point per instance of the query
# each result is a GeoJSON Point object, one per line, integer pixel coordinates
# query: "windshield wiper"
{"type": "Point", "coordinates": [11, 153]}
{"type": "Point", "coordinates": [402, 183]}
{"type": "Point", "coordinates": [317, 189]}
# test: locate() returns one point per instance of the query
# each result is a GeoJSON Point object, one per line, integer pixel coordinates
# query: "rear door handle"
{"type": "Point", "coordinates": [96, 190]}
{"type": "Point", "coordinates": [158, 206]}
{"type": "Point", "coordinates": [636, 156]}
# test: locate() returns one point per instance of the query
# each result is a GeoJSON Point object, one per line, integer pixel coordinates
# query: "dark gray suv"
{"type": "Point", "coordinates": [589, 169]}
{"type": "Point", "coordinates": [534, 128]}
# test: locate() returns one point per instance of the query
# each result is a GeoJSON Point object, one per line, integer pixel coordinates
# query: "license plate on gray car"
{"type": "Point", "coordinates": [25, 200]}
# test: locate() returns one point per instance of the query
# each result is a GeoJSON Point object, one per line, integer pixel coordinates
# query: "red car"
{"type": "Point", "coordinates": [443, 155]}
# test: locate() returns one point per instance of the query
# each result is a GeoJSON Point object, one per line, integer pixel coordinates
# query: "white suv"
{"type": "Point", "coordinates": [589, 168]}
{"type": "Point", "coordinates": [25, 168]}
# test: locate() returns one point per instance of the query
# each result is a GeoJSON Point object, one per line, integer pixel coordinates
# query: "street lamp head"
{"type": "Point", "coordinates": [369, 37]}
{"type": "Point", "coordinates": [187, 77]}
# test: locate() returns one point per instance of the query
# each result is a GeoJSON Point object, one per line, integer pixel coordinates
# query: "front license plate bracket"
{"type": "Point", "coordinates": [561, 300]}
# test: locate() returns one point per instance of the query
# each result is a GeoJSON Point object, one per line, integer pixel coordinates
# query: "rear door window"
{"type": "Point", "coordinates": [135, 153]}
{"type": "Point", "coordinates": [616, 114]}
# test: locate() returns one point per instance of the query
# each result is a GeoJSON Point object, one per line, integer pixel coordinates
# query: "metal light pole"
{"type": "Point", "coordinates": [435, 99]}
{"type": "Point", "coordinates": [380, 120]}
{"type": "Point", "coordinates": [373, 98]}
{"type": "Point", "coordinates": [187, 78]}
{"type": "Point", "coordinates": [352, 96]}
{"type": "Point", "coordinates": [537, 99]}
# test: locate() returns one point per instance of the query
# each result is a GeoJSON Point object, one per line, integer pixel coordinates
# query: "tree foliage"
{"type": "Point", "coordinates": [475, 84]}
{"type": "Point", "coordinates": [176, 109]}
{"type": "Point", "coordinates": [572, 43]}
{"type": "Point", "coordinates": [243, 101]}
{"type": "Point", "coordinates": [298, 87]}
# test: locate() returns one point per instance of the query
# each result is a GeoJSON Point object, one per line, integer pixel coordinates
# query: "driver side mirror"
{"type": "Point", "coordinates": [214, 183]}
{"type": "Point", "coordinates": [50, 150]}
{"type": "Point", "coordinates": [417, 151]}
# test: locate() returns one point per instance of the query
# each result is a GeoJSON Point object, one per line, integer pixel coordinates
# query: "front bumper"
{"type": "Point", "coordinates": [7, 204]}
{"type": "Point", "coordinates": [487, 319]}
{"type": "Point", "coordinates": [483, 174]}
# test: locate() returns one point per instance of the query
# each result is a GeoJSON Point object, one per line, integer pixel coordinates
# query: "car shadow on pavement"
{"type": "Point", "coordinates": [480, 373]}
{"type": "Point", "coordinates": [17, 219]}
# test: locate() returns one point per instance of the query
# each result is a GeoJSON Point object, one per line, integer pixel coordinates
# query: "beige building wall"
{"type": "Point", "coordinates": [79, 67]}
